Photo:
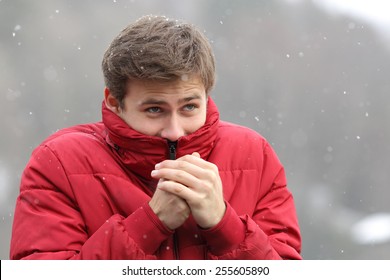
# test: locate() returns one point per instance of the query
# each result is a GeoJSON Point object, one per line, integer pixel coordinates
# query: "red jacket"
{"type": "Point", "coordinates": [85, 191]}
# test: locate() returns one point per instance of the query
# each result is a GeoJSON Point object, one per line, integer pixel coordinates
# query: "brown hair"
{"type": "Point", "coordinates": [160, 49]}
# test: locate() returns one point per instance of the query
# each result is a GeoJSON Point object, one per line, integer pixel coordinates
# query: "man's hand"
{"type": "Point", "coordinates": [172, 210]}
{"type": "Point", "coordinates": [198, 183]}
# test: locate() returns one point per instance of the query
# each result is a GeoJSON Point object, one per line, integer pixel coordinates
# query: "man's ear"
{"type": "Point", "coordinates": [111, 102]}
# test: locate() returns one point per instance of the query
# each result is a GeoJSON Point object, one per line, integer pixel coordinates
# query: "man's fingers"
{"type": "Point", "coordinates": [177, 189]}
{"type": "Point", "coordinates": [185, 176]}
{"type": "Point", "coordinates": [196, 154]}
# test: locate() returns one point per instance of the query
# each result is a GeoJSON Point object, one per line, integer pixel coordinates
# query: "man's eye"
{"type": "Point", "coordinates": [190, 107]}
{"type": "Point", "coordinates": [153, 110]}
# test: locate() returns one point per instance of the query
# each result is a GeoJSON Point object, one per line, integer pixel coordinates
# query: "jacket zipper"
{"type": "Point", "coordinates": [172, 149]}
{"type": "Point", "coordinates": [172, 155]}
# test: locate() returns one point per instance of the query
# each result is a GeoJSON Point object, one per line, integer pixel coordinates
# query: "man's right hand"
{"type": "Point", "coordinates": [172, 210]}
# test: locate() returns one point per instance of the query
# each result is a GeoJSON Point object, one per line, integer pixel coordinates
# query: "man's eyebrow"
{"type": "Point", "coordinates": [190, 98]}
{"type": "Point", "coordinates": [152, 101]}
{"type": "Point", "coordinates": [156, 101]}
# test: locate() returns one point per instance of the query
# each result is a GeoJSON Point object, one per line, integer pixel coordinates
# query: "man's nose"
{"type": "Point", "coordinates": [173, 129]}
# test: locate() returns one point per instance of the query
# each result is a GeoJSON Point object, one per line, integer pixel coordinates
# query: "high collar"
{"type": "Point", "coordinates": [140, 153]}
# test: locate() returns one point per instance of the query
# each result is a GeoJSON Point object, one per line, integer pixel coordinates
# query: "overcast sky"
{"type": "Point", "coordinates": [375, 12]}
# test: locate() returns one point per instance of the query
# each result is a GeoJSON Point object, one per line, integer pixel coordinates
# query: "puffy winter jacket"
{"type": "Point", "coordinates": [84, 195]}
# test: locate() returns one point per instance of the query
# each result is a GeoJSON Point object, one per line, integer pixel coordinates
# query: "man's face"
{"type": "Point", "coordinates": [167, 110]}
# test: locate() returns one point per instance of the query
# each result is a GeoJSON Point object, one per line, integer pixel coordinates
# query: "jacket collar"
{"type": "Point", "coordinates": [140, 153]}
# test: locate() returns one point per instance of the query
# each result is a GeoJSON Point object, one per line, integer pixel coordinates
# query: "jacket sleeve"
{"type": "Point", "coordinates": [271, 232]}
{"type": "Point", "coordinates": [49, 225]}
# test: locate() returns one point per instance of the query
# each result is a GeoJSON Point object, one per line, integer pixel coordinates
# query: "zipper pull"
{"type": "Point", "coordinates": [172, 149]}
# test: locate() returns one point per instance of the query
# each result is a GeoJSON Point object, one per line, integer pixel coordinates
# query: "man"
{"type": "Point", "coordinates": [161, 177]}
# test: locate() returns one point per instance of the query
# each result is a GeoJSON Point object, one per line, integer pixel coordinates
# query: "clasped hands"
{"type": "Point", "coordinates": [188, 185]}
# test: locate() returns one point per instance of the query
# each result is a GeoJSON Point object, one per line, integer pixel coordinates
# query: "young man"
{"type": "Point", "coordinates": [161, 177]}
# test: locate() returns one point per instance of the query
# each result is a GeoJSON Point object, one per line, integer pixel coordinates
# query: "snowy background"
{"type": "Point", "coordinates": [310, 76]}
